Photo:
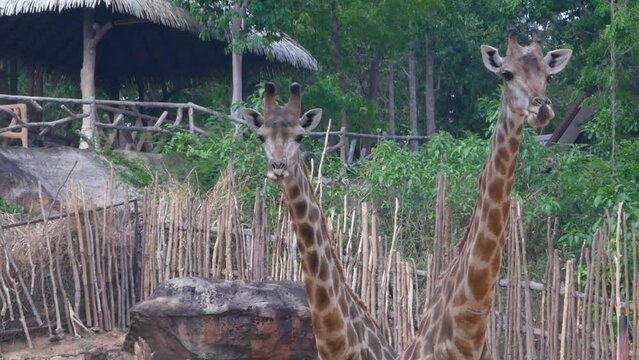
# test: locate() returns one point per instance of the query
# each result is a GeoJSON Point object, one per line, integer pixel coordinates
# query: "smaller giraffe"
{"type": "Point", "coordinates": [454, 327]}
{"type": "Point", "coordinates": [343, 328]}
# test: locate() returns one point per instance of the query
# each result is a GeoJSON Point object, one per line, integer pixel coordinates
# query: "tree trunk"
{"type": "Point", "coordinates": [13, 77]}
{"type": "Point", "coordinates": [237, 25]}
{"type": "Point", "coordinates": [4, 77]}
{"type": "Point", "coordinates": [91, 35]}
{"type": "Point", "coordinates": [373, 75]}
{"type": "Point", "coordinates": [412, 96]}
{"type": "Point", "coordinates": [339, 66]}
{"type": "Point", "coordinates": [87, 79]}
{"type": "Point", "coordinates": [372, 90]}
{"type": "Point", "coordinates": [392, 127]}
{"type": "Point", "coordinates": [429, 92]}
{"type": "Point", "coordinates": [35, 87]}
{"type": "Point", "coordinates": [613, 91]}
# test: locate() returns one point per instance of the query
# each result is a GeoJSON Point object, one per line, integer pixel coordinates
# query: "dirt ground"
{"type": "Point", "coordinates": [106, 344]}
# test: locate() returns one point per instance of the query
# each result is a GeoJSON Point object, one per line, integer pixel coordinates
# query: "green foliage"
{"type": "Point", "coordinates": [134, 172]}
{"type": "Point", "coordinates": [9, 208]}
{"type": "Point", "coordinates": [200, 160]}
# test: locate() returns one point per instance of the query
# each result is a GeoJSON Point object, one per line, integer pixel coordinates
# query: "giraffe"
{"type": "Point", "coordinates": [342, 325]}
{"type": "Point", "coordinates": [454, 326]}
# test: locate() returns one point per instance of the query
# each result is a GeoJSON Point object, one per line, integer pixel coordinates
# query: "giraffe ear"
{"type": "Point", "coordinates": [557, 59]}
{"type": "Point", "coordinates": [253, 118]}
{"type": "Point", "coordinates": [311, 119]}
{"type": "Point", "coordinates": [490, 57]}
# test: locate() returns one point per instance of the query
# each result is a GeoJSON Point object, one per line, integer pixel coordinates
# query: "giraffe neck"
{"type": "Point", "coordinates": [342, 326]}
{"type": "Point", "coordinates": [480, 258]}
{"type": "Point", "coordinates": [455, 325]}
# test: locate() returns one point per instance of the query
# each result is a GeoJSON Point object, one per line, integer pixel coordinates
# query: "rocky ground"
{"type": "Point", "coordinates": [105, 346]}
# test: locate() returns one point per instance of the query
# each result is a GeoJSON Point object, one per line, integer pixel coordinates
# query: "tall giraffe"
{"type": "Point", "coordinates": [454, 327]}
{"type": "Point", "coordinates": [343, 328]}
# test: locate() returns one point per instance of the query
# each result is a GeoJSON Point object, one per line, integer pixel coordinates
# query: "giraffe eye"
{"type": "Point", "coordinates": [261, 138]}
{"type": "Point", "coordinates": [299, 138]}
{"type": "Point", "coordinates": [507, 75]}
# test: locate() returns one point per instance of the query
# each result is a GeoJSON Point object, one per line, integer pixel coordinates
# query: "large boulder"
{"type": "Point", "coordinates": [22, 169]}
{"type": "Point", "coordinates": [198, 318]}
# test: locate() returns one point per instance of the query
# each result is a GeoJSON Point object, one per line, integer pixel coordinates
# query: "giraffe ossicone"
{"type": "Point", "coordinates": [455, 325]}
{"type": "Point", "coordinates": [342, 326]}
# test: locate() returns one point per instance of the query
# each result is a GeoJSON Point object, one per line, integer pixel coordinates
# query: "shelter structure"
{"type": "Point", "coordinates": [117, 39]}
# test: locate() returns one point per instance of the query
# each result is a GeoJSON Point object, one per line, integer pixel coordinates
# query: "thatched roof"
{"type": "Point", "coordinates": [150, 39]}
{"type": "Point", "coordinates": [160, 12]}
{"type": "Point", "coordinates": [288, 51]}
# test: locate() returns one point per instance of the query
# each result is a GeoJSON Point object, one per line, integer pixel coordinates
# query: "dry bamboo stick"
{"type": "Point", "coordinates": [7, 294]}
{"type": "Point", "coordinates": [564, 328]}
{"type": "Point", "coordinates": [33, 267]}
{"type": "Point", "coordinates": [189, 239]}
{"type": "Point", "coordinates": [530, 346]}
{"type": "Point", "coordinates": [216, 247]}
{"type": "Point", "coordinates": [103, 308]}
{"type": "Point", "coordinates": [45, 303]}
{"type": "Point", "coordinates": [365, 244]}
{"type": "Point", "coordinates": [83, 265]}
{"type": "Point", "coordinates": [228, 242]}
{"type": "Point", "coordinates": [109, 220]}
{"type": "Point", "coordinates": [635, 292]}
{"type": "Point", "coordinates": [5, 305]}
{"type": "Point", "coordinates": [587, 312]}
{"type": "Point", "coordinates": [128, 287]}
{"type": "Point", "coordinates": [18, 301]}
{"type": "Point", "coordinates": [94, 284]}
{"type": "Point", "coordinates": [45, 233]}
{"type": "Point", "coordinates": [169, 246]}
{"type": "Point", "coordinates": [10, 261]}
{"type": "Point", "coordinates": [619, 311]}
{"type": "Point", "coordinates": [65, 298]}
{"type": "Point", "coordinates": [77, 290]}
{"type": "Point", "coordinates": [597, 255]}
{"type": "Point", "coordinates": [372, 264]}
{"type": "Point", "coordinates": [509, 342]}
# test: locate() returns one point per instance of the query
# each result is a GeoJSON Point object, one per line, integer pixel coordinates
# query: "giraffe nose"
{"type": "Point", "coordinates": [278, 165]}
{"type": "Point", "coordinates": [538, 100]}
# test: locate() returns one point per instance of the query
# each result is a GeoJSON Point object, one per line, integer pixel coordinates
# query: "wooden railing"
{"type": "Point", "coordinates": [131, 125]}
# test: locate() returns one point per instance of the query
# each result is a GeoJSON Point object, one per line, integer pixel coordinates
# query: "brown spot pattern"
{"type": "Point", "coordinates": [333, 321]}
{"type": "Point", "coordinates": [479, 281]}
{"type": "Point", "coordinates": [300, 208]}
{"type": "Point", "coordinates": [495, 221]}
{"type": "Point", "coordinates": [496, 190]}
{"type": "Point", "coordinates": [484, 248]}
{"type": "Point", "coordinates": [321, 297]}
{"type": "Point", "coordinates": [313, 261]}
{"type": "Point", "coordinates": [323, 270]}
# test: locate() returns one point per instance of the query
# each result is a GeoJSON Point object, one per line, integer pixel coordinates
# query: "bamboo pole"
{"type": "Point", "coordinates": [83, 264]}
{"type": "Point", "coordinates": [567, 301]}
{"type": "Point", "coordinates": [45, 303]}
{"type": "Point", "coordinates": [365, 244]}
{"type": "Point", "coordinates": [18, 301]}
{"type": "Point", "coordinates": [530, 346]}
{"type": "Point", "coordinates": [65, 297]}
{"type": "Point", "coordinates": [10, 261]}
{"type": "Point", "coordinates": [619, 311]}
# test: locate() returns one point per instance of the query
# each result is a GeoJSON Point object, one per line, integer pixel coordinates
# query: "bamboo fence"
{"type": "Point", "coordinates": [82, 269]}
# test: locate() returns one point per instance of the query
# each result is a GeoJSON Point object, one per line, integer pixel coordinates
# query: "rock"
{"type": "Point", "coordinates": [21, 170]}
{"type": "Point", "coordinates": [197, 318]}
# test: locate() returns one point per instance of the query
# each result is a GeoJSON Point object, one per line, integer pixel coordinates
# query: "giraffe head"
{"type": "Point", "coordinates": [526, 72]}
{"type": "Point", "coordinates": [281, 129]}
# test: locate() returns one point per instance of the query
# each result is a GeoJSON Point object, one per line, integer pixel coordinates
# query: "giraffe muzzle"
{"type": "Point", "coordinates": [544, 114]}
{"type": "Point", "coordinates": [277, 170]}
